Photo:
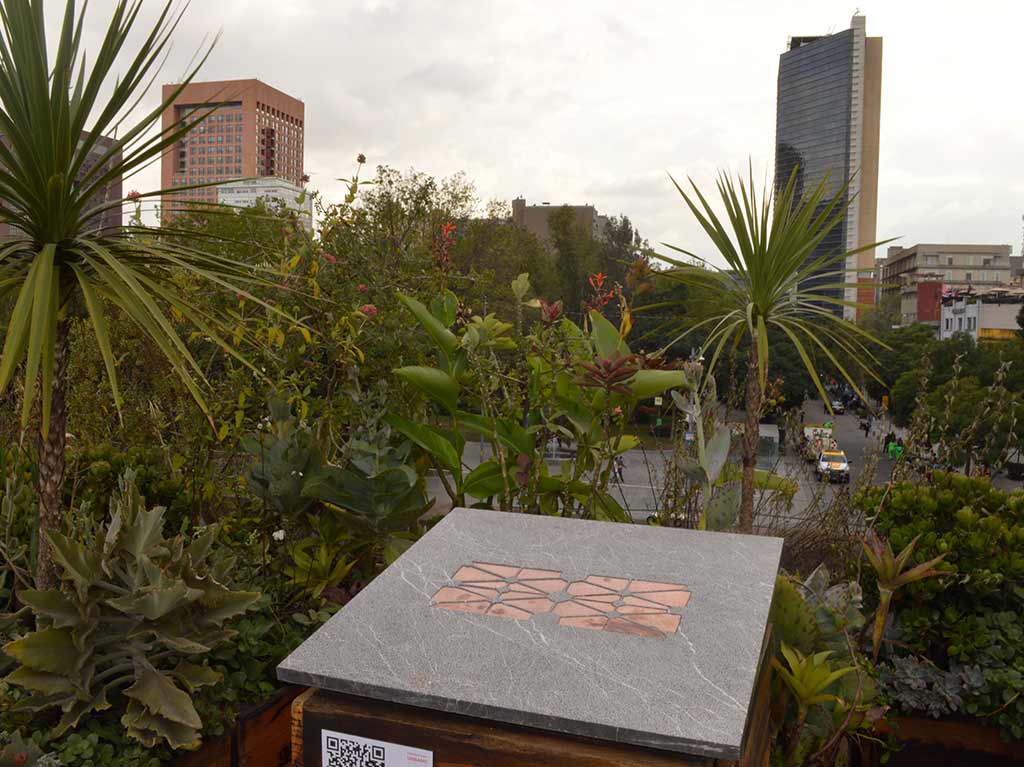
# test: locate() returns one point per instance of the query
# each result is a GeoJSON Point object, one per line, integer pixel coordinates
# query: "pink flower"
{"type": "Point", "coordinates": [362, 288]}
{"type": "Point", "coordinates": [369, 310]}
{"type": "Point", "coordinates": [133, 196]}
{"type": "Point", "coordinates": [360, 158]}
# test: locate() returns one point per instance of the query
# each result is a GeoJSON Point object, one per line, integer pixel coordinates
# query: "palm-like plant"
{"type": "Point", "coordinates": [767, 242]}
{"type": "Point", "coordinates": [60, 262]}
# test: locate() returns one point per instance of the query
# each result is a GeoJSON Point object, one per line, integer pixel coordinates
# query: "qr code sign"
{"type": "Point", "coordinates": [341, 750]}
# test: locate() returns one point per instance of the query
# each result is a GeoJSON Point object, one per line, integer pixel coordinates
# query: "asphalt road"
{"type": "Point", "coordinates": [640, 489]}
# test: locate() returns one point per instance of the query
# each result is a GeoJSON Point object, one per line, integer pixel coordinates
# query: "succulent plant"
{"type": "Point", "coordinates": [18, 752]}
{"type": "Point", "coordinates": [132, 608]}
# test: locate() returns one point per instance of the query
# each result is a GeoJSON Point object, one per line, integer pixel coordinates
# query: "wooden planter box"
{"type": "Point", "coordinates": [950, 743]}
{"type": "Point", "coordinates": [261, 737]}
{"type": "Point", "coordinates": [459, 741]}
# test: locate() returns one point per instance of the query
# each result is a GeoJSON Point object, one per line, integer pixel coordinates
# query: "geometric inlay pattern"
{"type": "Point", "coordinates": [602, 603]}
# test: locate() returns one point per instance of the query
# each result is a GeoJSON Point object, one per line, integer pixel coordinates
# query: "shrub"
{"type": "Point", "coordinates": [971, 617]}
{"type": "Point", "coordinates": [133, 608]}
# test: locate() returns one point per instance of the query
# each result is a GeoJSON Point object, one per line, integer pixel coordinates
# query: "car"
{"type": "Point", "coordinates": [832, 466]}
{"type": "Point", "coordinates": [838, 407]}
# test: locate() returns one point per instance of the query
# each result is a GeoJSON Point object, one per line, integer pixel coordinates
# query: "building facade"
{"type": "Point", "coordinates": [111, 194]}
{"type": "Point", "coordinates": [827, 127]}
{"type": "Point", "coordinates": [534, 218]}
{"type": "Point", "coordinates": [240, 129]}
{"type": "Point", "coordinates": [272, 191]}
{"type": "Point", "coordinates": [953, 266]}
{"type": "Point", "coordinates": [991, 316]}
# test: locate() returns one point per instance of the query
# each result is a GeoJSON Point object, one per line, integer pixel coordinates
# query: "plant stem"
{"type": "Point", "coordinates": [51, 452]}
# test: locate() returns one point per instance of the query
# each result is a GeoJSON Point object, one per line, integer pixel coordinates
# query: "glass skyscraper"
{"type": "Point", "coordinates": [827, 125]}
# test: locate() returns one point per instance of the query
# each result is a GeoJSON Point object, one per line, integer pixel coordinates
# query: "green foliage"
{"type": "Point", "coordinates": [891, 573]}
{"type": "Point", "coordinates": [765, 243]}
{"type": "Point", "coordinates": [378, 500]}
{"type": "Point", "coordinates": [520, 392]}
{"type": "Point", "coordinates": [916, 686]}
{"type": "Point", "coordinates": [133, 608]}
{"type": "Point", "coordinates": [971, 616]}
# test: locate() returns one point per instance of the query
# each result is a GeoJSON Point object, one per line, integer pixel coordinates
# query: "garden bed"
{"type": "Point", "coordinates": [941, 742]}
{"type": "Point", "coordinates": [261, 737]}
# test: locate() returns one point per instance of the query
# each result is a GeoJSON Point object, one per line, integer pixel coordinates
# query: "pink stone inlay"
{"type": "Point", "coordinates": [582, 589]}
{"type": "Point", "coordinates": [611, 583]}
{"type": "Point", "coordinates": [506, 610]}
{"type": "Point", "coordinates": [473, 574]}
{"type": "Point", "coordinates": [599, 603]}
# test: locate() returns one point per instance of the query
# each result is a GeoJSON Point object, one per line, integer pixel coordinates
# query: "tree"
{"type": "Point", "coordinates": [574, 251]}
{"type": "Point", "coordinates": [60, 264]}
{"type": "Point", "coordinates": [767, 243]}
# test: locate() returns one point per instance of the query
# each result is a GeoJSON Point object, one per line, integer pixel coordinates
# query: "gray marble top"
{"type": "Point", "coordinates": [641, 635]}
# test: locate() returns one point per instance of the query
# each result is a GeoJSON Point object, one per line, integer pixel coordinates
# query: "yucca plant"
{"type": "Point", "coordinates": [767, 241]}
{"type": "Point", "coordinates": [60, 263]}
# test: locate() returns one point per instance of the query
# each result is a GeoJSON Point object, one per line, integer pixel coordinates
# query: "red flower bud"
{"type": "Point", "coordinates": [369, 310]}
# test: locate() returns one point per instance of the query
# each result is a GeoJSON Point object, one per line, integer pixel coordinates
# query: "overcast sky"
{"type": "Point", "coordinates": [593, 102]}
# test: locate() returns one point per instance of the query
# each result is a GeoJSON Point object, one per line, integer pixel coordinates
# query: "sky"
{"type": "Point", "coordinates": [587, 101]}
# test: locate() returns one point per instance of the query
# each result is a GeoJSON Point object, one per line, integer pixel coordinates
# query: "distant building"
{"type": "Point", "coordinates": [827, 125]}
{"type": "Point", "coordinates": [112, 192]}
{"type": "Point", "coordinates": [953, 266]}
{"type": "Point", "coordinates": [274, 192]}
{"type": "Point", "coordinates": [990, 315]}
{"type": "Point", "coordinates": [1016, 268]}
{"type": "Point", "coordinates": [241, 129]}
{"type": "Point", "coordinates": [534, 218]}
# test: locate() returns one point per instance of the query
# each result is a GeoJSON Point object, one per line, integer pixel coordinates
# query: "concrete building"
{"type": "Point", "coordinates": [240, 129]}
{"type": "Point", "coordinates": [112, 192]}
{"type": "Point", "coordinates": [272, 191]}
{"type": "Point", "coordinates": [534, 218]}
{"type": "Point", "coordinates": [953, 266]}
{"type": "Point", "coordinates": [827, 125]}
{"type": "Point", "coordinates": [990, 315]}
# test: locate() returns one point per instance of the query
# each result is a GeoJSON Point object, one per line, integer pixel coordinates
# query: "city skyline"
{"type": "Point", "coordinates": [615, 101]}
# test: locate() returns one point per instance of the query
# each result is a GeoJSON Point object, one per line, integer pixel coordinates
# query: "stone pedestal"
{"type": "Point", "coordinates": [510, 639]}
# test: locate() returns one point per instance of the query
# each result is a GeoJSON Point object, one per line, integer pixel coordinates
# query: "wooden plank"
{"type": "Point", "coordinates": [263, 733]}
{"type": "Point", "coordinates": [459, 741]}
{"type": "Point", "coordinates": [217, 752]}
{"type": "Point", "coordinates": [298, 705]}
{"type": "Point", "coordinates": [953, 734]}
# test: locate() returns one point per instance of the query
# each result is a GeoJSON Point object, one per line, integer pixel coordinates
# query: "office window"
{"type": "Point", "coordinates": [968, 260]}
{"type": "Point", "coordinates": [949, 260]}
{"type": "Point", "coordinates": [967, 277]}
{"type": "Point", "coordinates": [948, 275]}
{"type": "Point", "coordinates": [931, 260]}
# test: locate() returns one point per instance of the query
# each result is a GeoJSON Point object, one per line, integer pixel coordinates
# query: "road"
{"type": "Point", "coordinates": [643, 476]}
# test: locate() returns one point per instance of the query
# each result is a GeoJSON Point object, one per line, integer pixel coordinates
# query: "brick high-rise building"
{"type": "Point", "coordinates": [253, 130]}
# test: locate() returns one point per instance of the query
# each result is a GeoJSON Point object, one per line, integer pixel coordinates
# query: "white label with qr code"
{"type": "Point", "coordinates": [341, 750]}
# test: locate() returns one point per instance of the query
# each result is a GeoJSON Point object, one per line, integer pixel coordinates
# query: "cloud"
{"type": "Point", "coordinates": [589, 101]}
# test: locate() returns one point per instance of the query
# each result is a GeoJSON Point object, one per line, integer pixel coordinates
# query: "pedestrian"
{"type": "Point", "coordinates": [620, 469]}
{"type": "Point", "coordinates": [865, 427]}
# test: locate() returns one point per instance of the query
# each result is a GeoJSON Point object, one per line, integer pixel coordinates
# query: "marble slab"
{"type": "Point", "coordinates": [635, 634]}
